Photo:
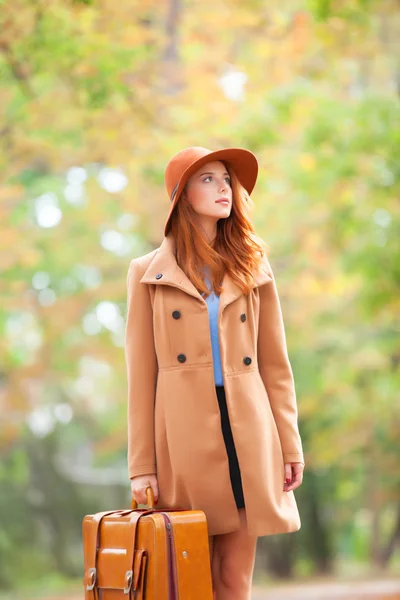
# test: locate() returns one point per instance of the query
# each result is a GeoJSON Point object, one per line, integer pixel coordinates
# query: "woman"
{"type": "Point", "coordinates": [212, 412]}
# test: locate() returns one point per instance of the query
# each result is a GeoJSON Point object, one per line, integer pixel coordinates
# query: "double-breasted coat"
{"type": "Point", "coordinates": [174, 427]}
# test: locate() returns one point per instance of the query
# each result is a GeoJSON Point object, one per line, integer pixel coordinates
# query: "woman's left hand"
{"type": "Point", "coordinates": [293, 473]}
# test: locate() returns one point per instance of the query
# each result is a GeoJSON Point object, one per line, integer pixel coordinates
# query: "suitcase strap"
{"type": "Point", "coordinates": [134, 560]}
{"type": "Point", "coordinates": [90, 577]}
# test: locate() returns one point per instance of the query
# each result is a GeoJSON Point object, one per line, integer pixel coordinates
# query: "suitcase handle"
{"type": "Point", "coordinates": [150, 499]}
{"type": "Point", "coordinates": [150, 503]}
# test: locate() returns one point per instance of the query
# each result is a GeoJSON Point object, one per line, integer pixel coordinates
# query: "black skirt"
{"type": "Point", "coordinates": [234, 469]}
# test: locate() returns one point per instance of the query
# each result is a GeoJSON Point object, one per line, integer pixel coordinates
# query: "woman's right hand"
{"type": "Point", "coordinates": [139, 485]}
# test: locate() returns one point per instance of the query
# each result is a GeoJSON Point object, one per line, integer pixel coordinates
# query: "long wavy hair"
{"type": "Point", "coordinates": [236, 248]}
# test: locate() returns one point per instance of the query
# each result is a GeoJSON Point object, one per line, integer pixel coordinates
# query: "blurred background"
{"type": "Point", "coordinates": [95, 97]}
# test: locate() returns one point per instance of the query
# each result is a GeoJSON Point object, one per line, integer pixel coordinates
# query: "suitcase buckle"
{"type": "Point", "coordinates": [92, 577]}
{"type": "Point", "coordinates": [128, 581]}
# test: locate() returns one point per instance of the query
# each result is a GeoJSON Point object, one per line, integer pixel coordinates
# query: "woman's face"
{"type": "Point", "coordinates": [205, 187]}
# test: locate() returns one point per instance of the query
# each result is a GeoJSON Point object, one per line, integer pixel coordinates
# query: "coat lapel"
{"type": "Point", "coordinates": [164, 262]}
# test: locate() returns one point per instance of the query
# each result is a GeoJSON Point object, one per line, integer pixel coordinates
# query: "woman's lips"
{"type": "Point", "coordinates": [222, 202]}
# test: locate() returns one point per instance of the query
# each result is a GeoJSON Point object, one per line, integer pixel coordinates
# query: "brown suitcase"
{"type": "Point", "coordinates": [147, 554]}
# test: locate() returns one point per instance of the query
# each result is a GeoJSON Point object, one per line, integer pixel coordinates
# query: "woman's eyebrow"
{"type": "Point", "coordinates": [211, 173]}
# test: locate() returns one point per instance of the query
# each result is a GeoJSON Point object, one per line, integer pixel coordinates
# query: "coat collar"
{"type": "Point", "coordinates": [164, 262]}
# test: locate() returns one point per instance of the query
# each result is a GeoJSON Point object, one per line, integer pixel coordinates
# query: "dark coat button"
{"type": "Point", "coordinates": [181, 358]}
{"type": "Point", "coordinates": [159, 275]}
{"type": "Point", "coordinates": [247, 360]}
{"type": "Point", "coordinates": [243, 317]}
{"type": "Point", "coordinates": [176, 314]}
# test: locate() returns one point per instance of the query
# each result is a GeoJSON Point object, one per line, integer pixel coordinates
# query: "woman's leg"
{"type": "Point", "coordinates": [211, 543]}
{"type": "Point", "coordinates": [232, 562]}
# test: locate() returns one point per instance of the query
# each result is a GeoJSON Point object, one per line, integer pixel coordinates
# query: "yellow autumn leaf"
{"type": "Point", "coordinates": [307, 162]}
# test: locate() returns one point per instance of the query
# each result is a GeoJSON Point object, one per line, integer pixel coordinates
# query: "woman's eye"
{"type": "Point", "coordinates": [210, 176]}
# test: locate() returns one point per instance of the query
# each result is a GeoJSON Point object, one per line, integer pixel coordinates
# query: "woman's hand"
{"type": "Point", "coordinates": [139, 485]}
{"type": "Point", "coordinates": [293, 476]}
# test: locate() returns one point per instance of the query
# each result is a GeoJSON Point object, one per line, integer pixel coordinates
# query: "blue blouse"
{"type": "Point", "coordinates": [213, 307]}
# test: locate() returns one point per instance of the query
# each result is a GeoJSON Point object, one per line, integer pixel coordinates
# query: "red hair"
{"type": "Point", "coordinates": [236, 248]}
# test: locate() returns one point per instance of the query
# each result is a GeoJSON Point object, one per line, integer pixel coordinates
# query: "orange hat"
{"type": "Point", "coordinates": [189, 160]}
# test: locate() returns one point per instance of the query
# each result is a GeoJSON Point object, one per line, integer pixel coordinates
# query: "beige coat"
{"type": "Point", "coordinates": [174, 428]}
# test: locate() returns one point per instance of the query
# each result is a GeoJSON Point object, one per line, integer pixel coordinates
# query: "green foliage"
{"type": "Point", "coordinates": [353, 11]}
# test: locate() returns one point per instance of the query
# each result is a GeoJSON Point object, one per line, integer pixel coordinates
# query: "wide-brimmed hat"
{"type": "Point", "coordinates": [189, 160]}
